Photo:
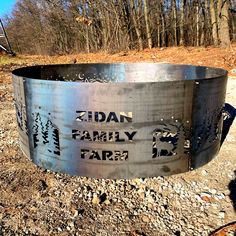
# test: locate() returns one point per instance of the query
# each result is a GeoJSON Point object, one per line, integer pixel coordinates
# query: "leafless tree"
{"type": "Point", "coordinates": [72, 26]}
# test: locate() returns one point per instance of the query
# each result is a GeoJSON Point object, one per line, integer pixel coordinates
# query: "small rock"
{"type": "Point", "coordinates": [145, 219]}
{"type": "Point", "coordinates": [75, 213]}
{"type": "Point", "coordinates": [213, 191]}
{"type": "Point", "coordinates": [233, 70]}
{"type": "Point", "coordinates": [71, 225]}
{"type": "Point", "coordinates": [204, 172]}
{"type": "Point", "coordinates": [198, 198]}
{"type": "Point", "coordinates": [227, 192]}
{"type": "Point", "coordinates": [150, 199]}
{"type": "Point", "coordinates": [206, 198]}
{"type": "Point", "coordinates": [222, 214]}
{"type": "Point", "coordinates": [220, 196]}
{"type": "Point", "coordinates": [141, 194]}
{"type": "Point", "coordinates": [206, 194]}
{"type": "Point", "coordinates": [96, 200]}
{"type": "Point", "coordinates": [107, 202]}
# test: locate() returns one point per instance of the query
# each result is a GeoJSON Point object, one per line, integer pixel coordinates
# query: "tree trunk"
{"type": "Point", "coordinates": [223, 14]}
{"type": "Point", "coordinates": [181, 41]}
{"type": "Point", "coordinates": [158, 35]}
{"type": "Point", "coordinates": [214, 22]}
{"type": "Point", "coordinates": [137, 30]}
{"type": "Point", "coordinates": [198, 23]}
{"type": "Point", "coordinates": [208, 31]}
{"type": "Point", "coordinates": [163, 31]}
{"type": "Point", "coordinates": [175, 21]}
{"type": "Point", "coordinates": [233, 28]}
{"type": "Point", "coordinates": [126, 21]}
{"type": "Point", "coordinates": [87, 39]}
{"type": "Point", "coordinates": [158, 23]}
{"type": "Point", "coordinates": [149, 36]}
{"type": "Point", "coordinates": [233, 20]}
{"type": "Point", "coordinates": [86, 28]}
{"type": "Point", "coordinates": [163, 34]}
{"type": "Point", "coordinates": [203, 24]}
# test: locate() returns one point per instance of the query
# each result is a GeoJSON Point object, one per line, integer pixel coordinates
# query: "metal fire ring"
{"type": "Point", "coordinates": [120, 120]}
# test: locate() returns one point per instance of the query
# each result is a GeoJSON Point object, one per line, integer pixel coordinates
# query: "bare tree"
{"type": "Point", "coordinates": [181, 40]}
{"type": "Point", "coordinates": [174, 10]}
{"type": "Point", "coordinates": [136, 25]}
{"type": "Point", "coordinates": [71, 26]}
{"type": "Point", "coordinates": [223, 14]}
{"type": "Point", "coordinates": [233, 19]}
{"type": "Point", "coordinates": [197, 23]}
{"type": "Point", "coordinates": [214, 22]}
{"type": "Point", "coordinates": [149, 36]}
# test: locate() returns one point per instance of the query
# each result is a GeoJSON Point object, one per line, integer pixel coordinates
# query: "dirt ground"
{"type": "Point", "coordinates": [38, 202]}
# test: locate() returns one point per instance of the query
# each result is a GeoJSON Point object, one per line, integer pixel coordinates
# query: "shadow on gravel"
{"type": "Point", "coordinates": [232, 189]}
{"type": "Point", "coordinates": [229, 115]}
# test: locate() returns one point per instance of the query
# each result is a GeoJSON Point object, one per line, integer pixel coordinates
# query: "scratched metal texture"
{"type": "Point", "coordinates": [175, 116]}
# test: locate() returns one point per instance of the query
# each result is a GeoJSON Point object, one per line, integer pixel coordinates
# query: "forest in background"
{"type": "Point", "coordinates": [51, 27]}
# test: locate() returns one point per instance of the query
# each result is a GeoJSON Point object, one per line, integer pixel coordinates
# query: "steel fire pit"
{"type": "Point", "coordinates": [120, 120]}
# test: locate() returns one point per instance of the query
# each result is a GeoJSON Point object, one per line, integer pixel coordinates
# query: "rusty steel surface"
{"type": "Point", "coordinates": [227, 230]}
{"type": "Point", "coordinates": [120, 120]}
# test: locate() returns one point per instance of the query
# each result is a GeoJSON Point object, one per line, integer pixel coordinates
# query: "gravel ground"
{"type": "Point", "coordinates": [38, 202]}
